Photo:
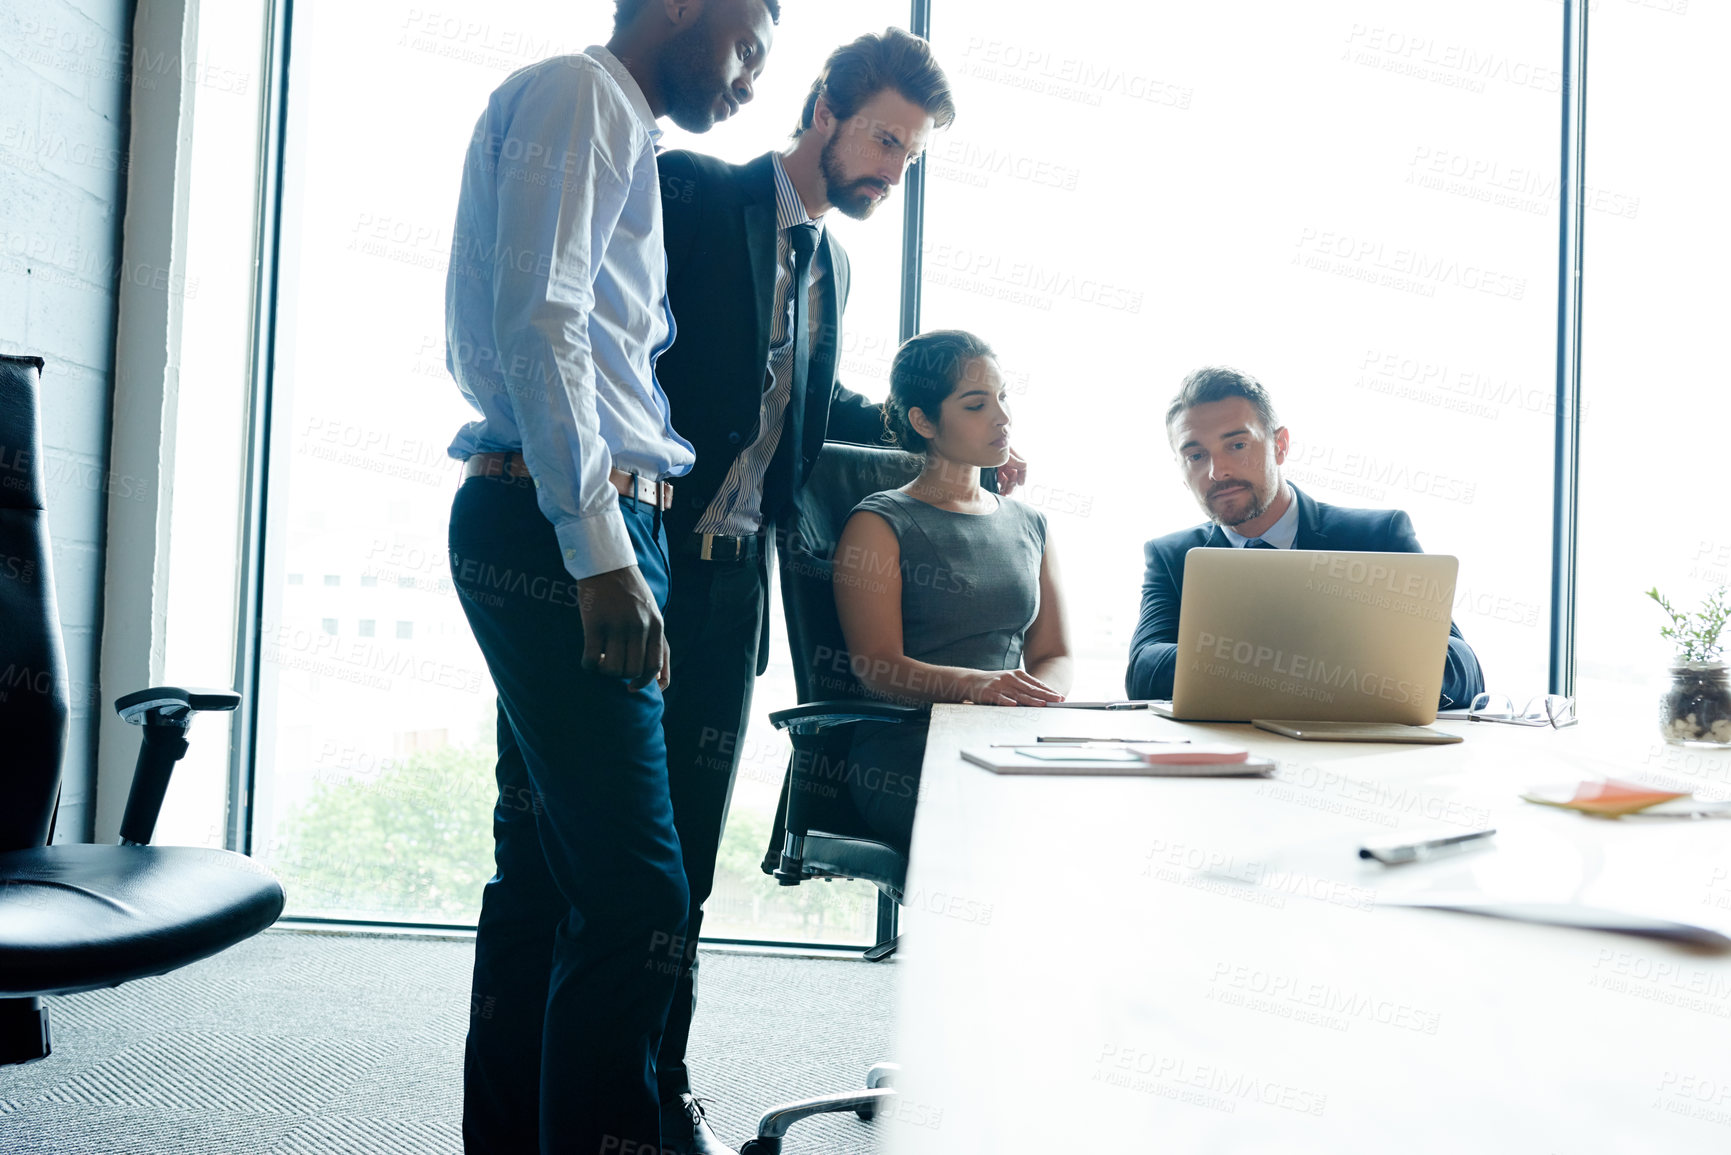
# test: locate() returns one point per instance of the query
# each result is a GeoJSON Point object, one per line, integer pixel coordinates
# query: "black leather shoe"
{"type": "Point", "coordinates": [685, 1132]}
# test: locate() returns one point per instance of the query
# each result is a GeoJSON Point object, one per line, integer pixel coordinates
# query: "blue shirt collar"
{"type": "Point", "coordinates": [627, 85]}
{"type": "Point", "coordinates": [1281, 534]}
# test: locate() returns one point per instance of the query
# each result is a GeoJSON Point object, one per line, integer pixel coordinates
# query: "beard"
{"type": "Point", "coordinates": [690, 76]}
{"type": "Point", "coordinates": [853, 198]}
{"type": "Point", "coordinates": [1259, 503]}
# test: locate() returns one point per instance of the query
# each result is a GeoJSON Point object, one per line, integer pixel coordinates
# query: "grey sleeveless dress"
{"type": "Point", "coordinates": [970, 591]}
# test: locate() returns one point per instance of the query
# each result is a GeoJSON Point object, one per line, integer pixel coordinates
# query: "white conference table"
{"type": "Point", "coordinates": [1166, 965]}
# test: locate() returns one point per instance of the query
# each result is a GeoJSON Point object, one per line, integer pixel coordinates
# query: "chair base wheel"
{"type": "Point", "coordinates": [863, 1103]}
{"type": "Point", "coordinates": [881, 1075]}
{"type": "Point", "coordinates": [884, 949]}
{"type": "Point", "coordinates": [24, 1034]}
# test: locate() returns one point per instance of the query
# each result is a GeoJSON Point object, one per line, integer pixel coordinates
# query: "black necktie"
{"type": "Point", "coordinates": [803, 238]}
{"type": "Point", "coordinates": [1258, 543]}
{"type": "Point", "coordinates": [784, 467]}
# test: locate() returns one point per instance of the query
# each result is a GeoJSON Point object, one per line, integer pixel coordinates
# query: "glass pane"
{"type": "Point", "coordinates": [1355, 206]}
{"type": "Point", "coordinates": [375, 764]}
{"type": "Point", "coordinates": [1657, 242]}
{"type": "Point", "coordinates": [210, 423]}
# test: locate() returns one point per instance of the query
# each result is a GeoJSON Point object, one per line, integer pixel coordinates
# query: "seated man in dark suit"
{"type": "Point", "coordinates": [1230, 446]}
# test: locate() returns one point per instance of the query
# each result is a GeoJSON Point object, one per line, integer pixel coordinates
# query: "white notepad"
{"type": "Point", "coordinates": [1105, 760]}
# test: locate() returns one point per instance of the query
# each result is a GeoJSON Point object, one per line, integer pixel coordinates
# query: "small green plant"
{"type": "Point", "coordinates": [1696, 634]}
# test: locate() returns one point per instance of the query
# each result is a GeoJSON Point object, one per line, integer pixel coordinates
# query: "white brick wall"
{"type": "Point", "coordinates": [63, 98]}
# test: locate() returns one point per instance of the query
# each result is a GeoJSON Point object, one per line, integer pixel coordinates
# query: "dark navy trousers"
{"type": "Point", "coordinates": [582, 927]}
{"type": "Point", "coordinates": [713, 621]}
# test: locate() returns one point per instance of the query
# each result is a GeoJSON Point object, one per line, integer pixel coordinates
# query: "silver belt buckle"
{"type": "Point", "coordinates": [706, 551]}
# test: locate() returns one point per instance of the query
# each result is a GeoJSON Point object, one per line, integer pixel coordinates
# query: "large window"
{"type": "Point", "coordinates": [1357, 205]}
{"type": "Point", "coordinates": [209, 443]}
{"type": "Point", "coordinates": [1656, 298]}
{"type": "Point", "coordinates": [1354, 205]}
{"type": "Point", "coordinates": [375, 775]}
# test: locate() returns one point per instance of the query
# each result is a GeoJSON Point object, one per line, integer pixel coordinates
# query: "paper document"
{"type": "Point", "coordinates": [1114, 760]}
{"type": "Point", "coordinates": [1573, 914]}
{"type": "Point", "coordinates": [1102, 705]}
{"type": "Point", "coordinates": [1534, 870]}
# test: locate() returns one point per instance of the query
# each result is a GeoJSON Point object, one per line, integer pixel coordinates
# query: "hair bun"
{"type": "Point", "coordinates": [898, 429]}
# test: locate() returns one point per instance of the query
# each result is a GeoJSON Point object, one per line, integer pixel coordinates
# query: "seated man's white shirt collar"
{"type": "Point", "coordinates": [1281, 534]}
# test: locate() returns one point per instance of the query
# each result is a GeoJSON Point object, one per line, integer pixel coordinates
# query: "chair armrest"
{"type": "Point", "coordinates": [164, 712]}
{"type": "Point", "coordinates": [804, 798]}
{"type": "Point", "coordinates": [813, 717]}
{"type": "Point", "coordinates": [136, 707]}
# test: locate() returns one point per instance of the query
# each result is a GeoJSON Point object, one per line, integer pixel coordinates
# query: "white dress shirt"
{"type": "Point", "coordinates": [1280, 535]}
{"type": "Point", "coordinates": [556, 299]}
{"type": "Point", "coordinates": [737, 509]}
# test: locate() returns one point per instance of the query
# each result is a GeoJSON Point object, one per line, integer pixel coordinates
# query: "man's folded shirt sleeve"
{"type": "Point", "coordinates": [560, 195]}
{"type": "Point", "coordinates": [1154, 649]}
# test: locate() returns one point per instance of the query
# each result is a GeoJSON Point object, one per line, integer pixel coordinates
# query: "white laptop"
{"type": "Point", "coordinates": [1321, 635]}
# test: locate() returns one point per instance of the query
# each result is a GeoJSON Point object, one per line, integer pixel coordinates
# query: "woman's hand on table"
{"type": "Point", "coordinates": [1008, 688]}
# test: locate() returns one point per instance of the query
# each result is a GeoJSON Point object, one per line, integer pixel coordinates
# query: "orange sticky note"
{"type": "Point", "coordinates": [1610, 797]}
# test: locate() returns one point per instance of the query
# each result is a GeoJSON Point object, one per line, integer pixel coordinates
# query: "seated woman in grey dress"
{"type": "Point", "coordinates": [946, 592]}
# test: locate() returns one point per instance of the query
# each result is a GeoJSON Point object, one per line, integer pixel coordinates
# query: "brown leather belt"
{"type": "Point", "coordinates": [509, 463]}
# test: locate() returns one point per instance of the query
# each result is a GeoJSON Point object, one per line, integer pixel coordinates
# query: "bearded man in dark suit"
{"type": "Point", "coordinates": [758, 288]}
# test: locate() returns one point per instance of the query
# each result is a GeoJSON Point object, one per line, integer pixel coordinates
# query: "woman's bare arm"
{"type": "Point", "coordinates": [1046, 650]}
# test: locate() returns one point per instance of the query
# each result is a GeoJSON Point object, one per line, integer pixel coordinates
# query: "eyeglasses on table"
{"type": "Point", "coordinates": [1553, 710]}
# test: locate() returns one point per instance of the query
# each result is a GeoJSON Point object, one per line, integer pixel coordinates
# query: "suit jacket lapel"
{"type": "Point", "coordinates": [1310, 535]}
{"type": "Point", "coordinates": [825, 350]}
{"type": "Point", "coordinates": [760, 245]}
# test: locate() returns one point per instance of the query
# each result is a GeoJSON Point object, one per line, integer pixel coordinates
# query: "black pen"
{"type": "Point", "coordinates": [1392, 852]}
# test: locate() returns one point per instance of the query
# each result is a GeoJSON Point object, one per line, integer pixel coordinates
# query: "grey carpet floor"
{"type": "Point", "coordinates": [303, 1044]}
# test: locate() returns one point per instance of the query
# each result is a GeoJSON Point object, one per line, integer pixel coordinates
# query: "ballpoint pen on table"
{"type": "Point", "coordinates": [1686, 808]}
{"type": "Point", "coordinates": [1393, 851]}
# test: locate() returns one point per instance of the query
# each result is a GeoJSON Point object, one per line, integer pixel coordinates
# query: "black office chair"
{"type": "Point", "coordinates": [78, 917]}
{"type": "Point", "coordinates": [819, 834]}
